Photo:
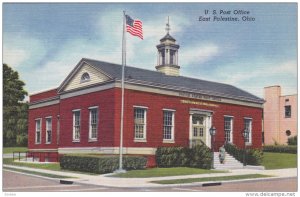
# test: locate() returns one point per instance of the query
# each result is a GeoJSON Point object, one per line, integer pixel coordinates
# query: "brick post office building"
{"type": "Point", "coordinates": [161, 108]}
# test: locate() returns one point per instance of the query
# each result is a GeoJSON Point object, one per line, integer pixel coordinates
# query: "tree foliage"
{"type": "Point", "coordinates": [14, 109]}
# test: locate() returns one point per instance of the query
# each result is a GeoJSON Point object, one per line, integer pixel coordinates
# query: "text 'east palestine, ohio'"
{"type": "Point", "coordinates": [226, 15]}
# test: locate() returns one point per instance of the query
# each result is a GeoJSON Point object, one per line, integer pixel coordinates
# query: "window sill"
{"type": "Point", "coordinates": [48, 142]}
{"type": "Point", "coordinates": [76, 141]}
{"type": "Point", "coordinates": [248, 143]}
{"type": "Point", "coordinates": [169, 141]}
{"type": "Point", "coordinates": [92, 140]}
{"type": "Point", "coordinates": [38, 143]}
{"type": "Point", "coordinates": [140, 140]}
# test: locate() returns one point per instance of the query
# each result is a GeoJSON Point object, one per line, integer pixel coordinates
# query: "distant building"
{"type": "Point", "coordinates": [280, 116]}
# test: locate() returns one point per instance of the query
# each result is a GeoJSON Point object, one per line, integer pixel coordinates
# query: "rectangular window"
{"type": "Point", "coordinates": [288, 111]}
{"type": "Point", "coordinates": [76, 125]}
{"type": "Point", "coordinates": [228, 129]}
{"type": "Point", "coordinates": [93, 124]}
{"type": "Point", "coordinates": [48, 130]}
{"type": "Point", "coordinates": [140, 123]}
{"type": "Point", "coordinates": [168, 125]}
{"type": "Point", "coordinates": [38, 130]}
{"type": "Point", "coordinates": [248, 127]}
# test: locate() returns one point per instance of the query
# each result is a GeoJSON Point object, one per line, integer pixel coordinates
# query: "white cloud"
{"type": "Point", "coordinates": [199, 54]}
{"type": "Point", "coordinates": [255, 75]}
{"type": "Point", "coordinates": [13, 56]}
{"type": "Point", "coordinates": [18, 49]}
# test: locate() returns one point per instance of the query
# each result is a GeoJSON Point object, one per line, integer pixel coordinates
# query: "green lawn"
{"type": "Point", "coordinates": [7, 150]}
{"type": "Point", "coordinates": [160, 172]}
{"type": "Point", "coordinates": [207, 179]}
{"type": "Point", "coordinates": [47, 166]}
{"type": "Point", "coordinates": [279, 160]}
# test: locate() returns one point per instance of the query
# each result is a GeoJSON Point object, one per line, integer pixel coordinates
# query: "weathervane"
{"type": "Point", "coordinates": [168, 26]}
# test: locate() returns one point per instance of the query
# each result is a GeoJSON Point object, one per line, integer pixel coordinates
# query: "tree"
{"type": "Point", "coordinates": [14, 109]}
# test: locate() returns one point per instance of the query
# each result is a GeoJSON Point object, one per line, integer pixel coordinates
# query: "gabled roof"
{"type": "Point", "coordinates": [154, 78]}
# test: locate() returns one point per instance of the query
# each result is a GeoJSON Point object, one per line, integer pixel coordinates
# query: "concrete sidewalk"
{"type": "Point", "coordinates": [105, 180]}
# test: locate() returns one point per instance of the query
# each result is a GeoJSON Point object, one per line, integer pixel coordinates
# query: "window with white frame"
{"type": "Point", "coordinates": [76, 125]}
{"type": "Point", "coordinates": [168, 125]}
{"type": "Point", "coordinates": [248, 127]}
{"type": "Point", "coordinates": [228, 129]}
{"type": "Point", "coordinates": [48, 130]}
{"type": "Point", "coordinates": [93, 123]}
{"type": "Point", "coordinates": [38, 130]}
{"type": "Point", "coordinates": [140, 123]}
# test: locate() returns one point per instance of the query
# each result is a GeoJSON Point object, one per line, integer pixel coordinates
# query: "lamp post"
{"type": "Point", "coordinates": [245, 135]}
{"type": "Point", "coordinates": [212, 132]}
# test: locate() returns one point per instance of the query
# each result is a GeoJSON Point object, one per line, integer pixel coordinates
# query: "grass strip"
{"type": "Point", "coordinates": [7, 150]}
{"type": "Point", "coordinates": [279, 160]}
{"type": "Point", "coordinates": [46, 166]}
{"type": "Point", "coordinates": [38, 173]}
{"type": "Point", "coordinates": [162, 172]}
{"type": "Point", "coordinates": [207, 179]}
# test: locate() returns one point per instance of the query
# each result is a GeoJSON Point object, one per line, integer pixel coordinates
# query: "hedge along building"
{"type": "Point", "coordinates": [161, 108]}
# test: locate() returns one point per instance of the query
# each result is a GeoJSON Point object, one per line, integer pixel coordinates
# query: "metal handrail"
{"type": "Point", "coordinates": [34, 155]}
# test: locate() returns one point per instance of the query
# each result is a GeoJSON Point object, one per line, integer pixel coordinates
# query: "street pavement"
{"type": "Point", "coordinates": [107, 181]}
{"type": "Point", "coordinates": [19, 182]}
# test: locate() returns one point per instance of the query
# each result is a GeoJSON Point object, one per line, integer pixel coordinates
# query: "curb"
{"type": "Point", "coordinates": [200, 184]}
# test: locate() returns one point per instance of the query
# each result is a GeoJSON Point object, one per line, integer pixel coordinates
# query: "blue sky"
{"type": "Point", "coordinates": [44, 42]}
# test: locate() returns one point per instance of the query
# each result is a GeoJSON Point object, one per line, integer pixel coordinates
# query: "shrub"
{"type": "Point", "coordinates": [281, 149]}
{"type": "Point", "coordinates": [292, 140]}
{"type": "Point", "coordinates": [134, 162]}
{"type": "Point", "coordinates": [169, 156]}
{"type": "Point", "coordinates": [199, 157]}
{"type": "Point", "coordinates": [253, 156]}
{"type": "Point", "coordinates": [100, 164]}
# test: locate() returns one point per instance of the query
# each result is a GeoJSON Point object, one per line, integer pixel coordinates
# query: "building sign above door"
{"type": "Point", "coordinates": [198, 103]}
{"type": "Point", "coordinates": [199, 96]}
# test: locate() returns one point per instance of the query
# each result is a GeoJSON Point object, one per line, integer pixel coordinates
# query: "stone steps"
{"type": "Point", "coordinates": [230, 162]}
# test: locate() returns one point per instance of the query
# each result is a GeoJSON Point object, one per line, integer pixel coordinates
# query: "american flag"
{"type": "Point", "coordinates": [134, 27]}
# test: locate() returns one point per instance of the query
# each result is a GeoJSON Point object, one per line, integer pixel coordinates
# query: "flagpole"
{"type": "Point", "coordinates": [122, 87]}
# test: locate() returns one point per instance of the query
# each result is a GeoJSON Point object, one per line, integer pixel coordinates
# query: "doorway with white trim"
{"type": "Point", "coordinates": [200, 122]}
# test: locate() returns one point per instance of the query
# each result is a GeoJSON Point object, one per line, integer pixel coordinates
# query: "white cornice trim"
{"type": "Point", "coordinates": [172, 92]}
{"type": "Point", "coordinates": [43, 103]}
{"type": "Point", "coordinates": [86, 90]}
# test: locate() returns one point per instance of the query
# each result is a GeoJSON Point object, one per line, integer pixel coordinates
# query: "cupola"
{"type": "Point", "coordinates": [167, 56]}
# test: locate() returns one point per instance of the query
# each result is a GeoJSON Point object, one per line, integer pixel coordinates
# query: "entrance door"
{"type": "Point", "coordinates": [198, 129]}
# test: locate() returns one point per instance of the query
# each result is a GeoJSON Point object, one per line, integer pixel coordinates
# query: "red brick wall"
{"type": "Point", "coordinates": [156, 103]}
{"type": "Point", "coordinates": [43, 95]}
{"type": "Point", "coordinates": [105, 101]}
{"type": "Point", "coordinates": [109, 102]}
{"type": "Point", "coordinates": [42, 113]}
